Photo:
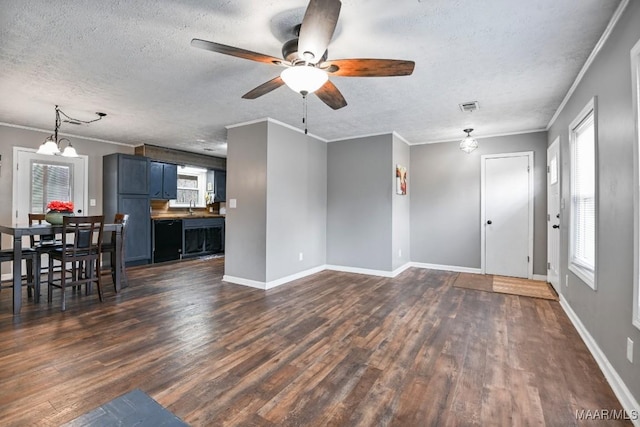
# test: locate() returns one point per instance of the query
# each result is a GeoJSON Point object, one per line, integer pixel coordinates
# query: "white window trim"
{"type": "Point", "coordinates": [635, 77]}
{"type": "Point", "coordinates": [584, 273]}
{"type": "Point", "coordinates": [201, 174]}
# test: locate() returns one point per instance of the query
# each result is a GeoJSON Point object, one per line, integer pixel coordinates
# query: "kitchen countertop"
{"type": "Point", "coordinates": [185, 216]}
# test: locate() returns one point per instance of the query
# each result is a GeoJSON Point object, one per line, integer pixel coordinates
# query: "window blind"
{"type": "Point", "coordinates": [583, 194]}
{"type": "Point", "coordinates": [49, 182]}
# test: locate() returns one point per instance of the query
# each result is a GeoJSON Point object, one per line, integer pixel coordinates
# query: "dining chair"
{"type": "Point", "coordinates": [110, 248]}
{"type": "Point", "coordinates": [45, 243]}
{"type": "Point", "coordinates": [33, 265]}
{"type": "Point", "coordinates": [81, 245]}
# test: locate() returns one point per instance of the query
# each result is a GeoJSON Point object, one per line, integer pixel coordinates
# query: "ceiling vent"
{"type": "Point", "coordinates": [468, 107]}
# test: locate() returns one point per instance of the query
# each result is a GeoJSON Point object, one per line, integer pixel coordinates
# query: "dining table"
{"type": "Point", "coordinates": [20, 230]}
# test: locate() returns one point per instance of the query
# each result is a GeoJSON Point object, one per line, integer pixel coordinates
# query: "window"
{"type": "Point", "coordinates": [635, 77]}
{"type": "Point", "coordinates": [49, 182]}
{"type": "Point", "coordinates": [582, 226]}
{"type": "Point", "coordinates": [191, 187]}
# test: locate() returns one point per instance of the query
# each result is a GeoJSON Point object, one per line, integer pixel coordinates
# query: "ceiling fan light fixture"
{"type": "Point", "coordinates": [468, 144]}
{"type": "Point", "coordinates": [304, 78]}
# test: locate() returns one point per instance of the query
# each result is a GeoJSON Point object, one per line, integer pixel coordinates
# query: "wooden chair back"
{"type": "Point", "coordinates": [82, 237]}
{"type": "Point", "coordinates": [38, 218]}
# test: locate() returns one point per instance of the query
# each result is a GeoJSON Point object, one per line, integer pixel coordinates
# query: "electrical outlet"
{"type": "Point", "coordinates": [629, 350]}
{"type": "Point", "coordinates": [300, 256]}
{"type": "Point", "coordinates": [399, 253]}
{"type": "Point", "coordinates": [92, 202]}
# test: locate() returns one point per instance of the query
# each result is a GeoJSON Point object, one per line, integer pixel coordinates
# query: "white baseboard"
{"type": "Point", "coordinates": [622, 392]}
{"type": "Point", "coordinates": [540, 277]}
{"type": "Point", "coordinates": [447, 267]}
{"type": "Point", "coordinates": [273, 283]}
{"type": "Point", "coordinates": [244, 282]}
{"type": "Point", "coordinates": [6, 276]}
{"type": "Point", "coordinates": [292, 277]}
{"type": "Point", "coordinates": [367, 271]}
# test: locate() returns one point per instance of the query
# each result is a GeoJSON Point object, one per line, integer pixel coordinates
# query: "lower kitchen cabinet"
{"type": "Point", "coordinates": [202, 236]}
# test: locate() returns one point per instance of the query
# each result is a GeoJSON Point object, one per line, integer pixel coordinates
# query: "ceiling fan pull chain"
{"type": "Point", "coordinates": [304, 112]}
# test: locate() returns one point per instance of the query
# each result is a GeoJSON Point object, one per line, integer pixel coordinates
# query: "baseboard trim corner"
{"type": "Point", "coordinates": [540, 277]}
{"type": "Point", "coordinates": [453, 268]}
{"type": "Point", "coordinates": [244, 282]}
{"type": "Point", "coordinates": [295, 276]}
{"type": "Point", "coordinates": [272, 284]}
{"type": "Point", "coordinates": [620, 389]}
{"type": "Point", "coordinates": [367, 271]}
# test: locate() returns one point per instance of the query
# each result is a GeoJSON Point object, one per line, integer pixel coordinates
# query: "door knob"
{"type": "Point", "coordinates": [556, 226]}
{"type": "Point", "coordinates": [489, 222]}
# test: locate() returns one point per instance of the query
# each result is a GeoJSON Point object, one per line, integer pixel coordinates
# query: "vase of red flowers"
{"type": "Point", "coordinates": [57, 210]}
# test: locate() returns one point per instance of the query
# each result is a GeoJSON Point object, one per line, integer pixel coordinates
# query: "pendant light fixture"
{"type": "Point", "coordinates": [468, 144]}
{"type": "Point", "coordinates": [51, 146]}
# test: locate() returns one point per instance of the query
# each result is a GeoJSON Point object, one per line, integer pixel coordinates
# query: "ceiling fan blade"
{"type": "Point", "coordinates": [330, 95]}
{"type": "Point", "coordinates": [235, 51]}
{"type": "Point", "coordinates": [317, 28]}
{"type": "Point", "coordinates": [264, 88]}
{"type": "Point", "coordinates": [369, 67]}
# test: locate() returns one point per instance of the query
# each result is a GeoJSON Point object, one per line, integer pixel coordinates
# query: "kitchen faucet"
{"type": "Point", "coordinates": [190, 209]}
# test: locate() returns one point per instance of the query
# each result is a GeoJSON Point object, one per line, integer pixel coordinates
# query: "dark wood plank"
{"type": "Point", "coordinates": [334, 349]}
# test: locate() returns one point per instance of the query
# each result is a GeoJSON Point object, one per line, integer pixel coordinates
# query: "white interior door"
{"type": "Point", "coordinates": [41, 178]}
{"type": "Point", "coordinates": [507, 199]}
{"type": "Point", "coordinates": [553, 215]}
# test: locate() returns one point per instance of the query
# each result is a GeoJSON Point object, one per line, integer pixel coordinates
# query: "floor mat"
{"type": "Point", "coordinates": [523, 287]}
{"type": "Point", "coordinates": [135, 408]}
{"type": "Point", "coordinates": [478, 282]}
{"type": "Point", "coordinates": [505, 285]}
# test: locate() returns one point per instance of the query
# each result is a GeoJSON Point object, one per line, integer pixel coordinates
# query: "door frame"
{"type": "Point", "coordinates": [483, 219]}
{"type": "Point", "coordinates": [554, 144]}
{"type": "Point", "coordinates": [14, 198]}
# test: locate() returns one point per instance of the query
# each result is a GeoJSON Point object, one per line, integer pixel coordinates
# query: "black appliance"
{"type": "Point", "coordinates": [167, 240]}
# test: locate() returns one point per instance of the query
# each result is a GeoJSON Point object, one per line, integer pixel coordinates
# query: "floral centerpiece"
{"type": "Point", "coordinates": [58, 209]}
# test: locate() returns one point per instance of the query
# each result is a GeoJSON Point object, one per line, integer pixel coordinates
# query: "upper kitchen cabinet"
{"type": "Point", "coordinates": [163, 181]}
{"type": "Point", "coordinates": [130, 174]}
{"type": "Point", "coordinates": [220, 185]}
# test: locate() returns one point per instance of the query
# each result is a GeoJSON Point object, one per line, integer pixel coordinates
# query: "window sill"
{"type": "Point", "coordinates": [584, 274]}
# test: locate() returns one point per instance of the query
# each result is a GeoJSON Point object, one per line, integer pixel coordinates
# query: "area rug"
{"type": "Point", "coordinates": [478, 282]}
{"type": "Point", "coordinates": [505, 285]}
{"type": "Point", "coordinates": [135, 408]}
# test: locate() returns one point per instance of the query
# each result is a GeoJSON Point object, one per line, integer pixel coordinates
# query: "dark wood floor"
{"type": "Point", "coordinates": [333, 349]}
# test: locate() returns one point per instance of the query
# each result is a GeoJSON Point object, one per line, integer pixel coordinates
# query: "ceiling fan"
{"type": "Point", "coordinates": [307, 69]}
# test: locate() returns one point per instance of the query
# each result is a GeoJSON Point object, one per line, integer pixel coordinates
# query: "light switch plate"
{"type": "Point", "coordinates": [92, 202]}
{"type": "Point", "coordinates": [232, 203]}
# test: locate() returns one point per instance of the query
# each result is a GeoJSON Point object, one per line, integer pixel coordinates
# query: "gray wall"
{"type": "Point", "coordinates": [360, 184]}
{"type": "Point", "coordinates": [401, 208]}
{"type": "Point", "coordinates": [607, 312]}
{"type": "Point", "coordinates": [445, 200]}
{"type": "Point", "coordinates": [296, 202]}
{"type": "Point", "coordinates": [246, 225]}
{"type": "Point", "coordinates": [279, 178]}
{"type": "Point", "coordinates": [15, 137]}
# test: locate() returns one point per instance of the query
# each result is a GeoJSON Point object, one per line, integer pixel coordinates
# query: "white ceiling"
{"type": "Point", "coordinates": [133, 61]}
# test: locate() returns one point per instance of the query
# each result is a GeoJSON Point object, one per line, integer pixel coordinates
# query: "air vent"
{"type": "Point", "coordinates": [468, 107]}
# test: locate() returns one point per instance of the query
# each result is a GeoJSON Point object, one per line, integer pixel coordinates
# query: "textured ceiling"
{"type": "Point", "coordinates": [133, 61]}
